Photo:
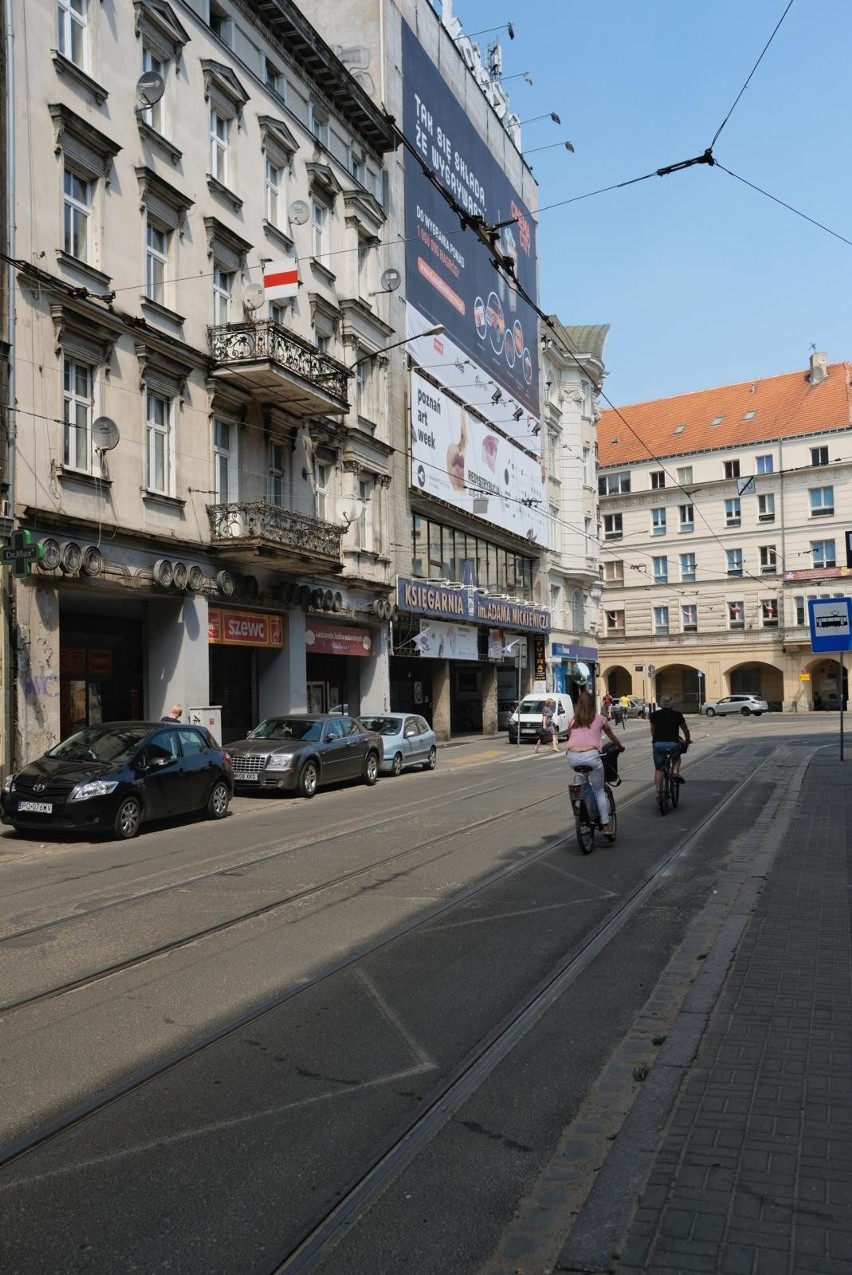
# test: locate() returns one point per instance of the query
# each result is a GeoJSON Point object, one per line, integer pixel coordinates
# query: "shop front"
{"type": "Point", "coordinates": [335, 651]}
{"type": "Point", "coordinates": [243, 645]}
{"type": "Point", "coordinates": [574, 668]}
{"type": "Point", "coordinates": [463, 657]}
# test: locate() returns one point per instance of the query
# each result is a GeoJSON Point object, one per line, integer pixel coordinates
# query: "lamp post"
{"type": "Point", "coordinates": [700, 689]}
{"type": "Point", "coordinates": [506, 649]}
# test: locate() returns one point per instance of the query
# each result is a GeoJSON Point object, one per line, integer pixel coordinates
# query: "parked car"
{"type": "Point", "coordinates": [745, 704]}
{"type": "Point", "coordinates": [305, 751]}
{"type": "Point", "coordinates": [529, 713]}
{"type": "Point", "coordinates": [637, 707]}
{"type": "Point", "coordinates": [113, 777]}
{"type": "Point", "coordinates": [407, 740]}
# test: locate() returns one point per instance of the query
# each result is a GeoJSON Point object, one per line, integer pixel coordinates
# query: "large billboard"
{"type": "Point", "coordinates": [450, 277]}
{"type": "Point", "coordinates": [469, 465]}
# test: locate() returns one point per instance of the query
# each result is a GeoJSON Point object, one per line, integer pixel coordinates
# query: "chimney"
{"type": "Point", "coordinates": [819, 368]}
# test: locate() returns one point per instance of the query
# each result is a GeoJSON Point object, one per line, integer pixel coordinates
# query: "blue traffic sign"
{"type": "Point", "coordinates": [831, 624]}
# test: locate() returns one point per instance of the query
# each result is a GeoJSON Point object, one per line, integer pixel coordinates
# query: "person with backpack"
{"type": "Point", "coordinates": [547, 731]}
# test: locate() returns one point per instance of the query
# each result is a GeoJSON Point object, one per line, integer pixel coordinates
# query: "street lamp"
{"type": "Point", "coordinates": [506, 650]}
{"type": "Point", "coordinates": [700, 691]}
{"type": "Point", "coordinates": [549, 115]}
{"type": "Point", "coordinates": [436, 330]}
{"type": "Point", "coordinates": [569, 146]}
{"type": "Point", "coordinates": [464, 35]}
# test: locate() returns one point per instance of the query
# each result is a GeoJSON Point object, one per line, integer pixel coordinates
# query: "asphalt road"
{"type": "Point", "coordinates": [351, 1034]}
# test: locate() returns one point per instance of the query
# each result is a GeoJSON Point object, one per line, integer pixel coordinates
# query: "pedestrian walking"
{"type": "Point", "coordinates": [546, 732]}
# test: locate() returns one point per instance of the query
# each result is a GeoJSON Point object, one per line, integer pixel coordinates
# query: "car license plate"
{"type": "Point", "coordinates": [36, 807]}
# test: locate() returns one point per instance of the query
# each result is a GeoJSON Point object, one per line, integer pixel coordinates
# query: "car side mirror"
{"type": "Point", "coordinates": [159, 762]}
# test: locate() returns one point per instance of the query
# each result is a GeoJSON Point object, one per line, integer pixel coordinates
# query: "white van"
{"type": "Point", "coordinates": [530, 711]}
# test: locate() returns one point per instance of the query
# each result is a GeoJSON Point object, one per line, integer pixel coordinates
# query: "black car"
{"type": "Point", "coordinates": [306, 750]}
{"type": "Point", "coordinates": [113, 777]}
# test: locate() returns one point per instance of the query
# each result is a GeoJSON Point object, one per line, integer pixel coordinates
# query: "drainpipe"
{"type": "Point", "coordinates": [11, 420]}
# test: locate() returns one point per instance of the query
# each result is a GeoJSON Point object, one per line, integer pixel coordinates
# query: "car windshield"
{"type": "Point", "coordinates": [532, 706]}
{"type": "Point", "coordinates": [288, 728]}
{"type": "Point", "coordinates": [383, 725]}
{"type": "Point", "coordinates": [112, 747]}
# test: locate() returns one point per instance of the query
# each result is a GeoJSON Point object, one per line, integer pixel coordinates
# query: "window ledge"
{"type": "Point", "coordinates": [83, 268]}
{"type": "Point", "coordinates": [64, 66]}
{"type": "Point", "coordinates": [822, 513]}
{"type": "Point", "coordinates": [328, 276]}
{"type": "Point", "coordinates": [219, 188]}
{"type": "Point", "coordinates": [159, 498]}
{"type": "Point", "coordinates": [163, 144]}
{"type": "Point", "coordinates": [280, 236]}
{"type": "Point", "coordinates": [81, 477]}
{"type": "Point", "coordinates": [157, 311]}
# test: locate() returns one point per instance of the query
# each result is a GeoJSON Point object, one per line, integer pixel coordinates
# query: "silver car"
{"type": "Point", "coordinates": [744, 704]}
{"type": "Point", "coordinates": [407, 740]}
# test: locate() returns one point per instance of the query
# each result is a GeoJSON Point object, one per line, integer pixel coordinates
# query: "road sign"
{"type": "Point", "coordinates": [831, 624]}
{"type": "Point", "coordinates": [21, 553]}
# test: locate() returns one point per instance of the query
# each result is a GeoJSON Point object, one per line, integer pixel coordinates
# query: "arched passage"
{"type": "Point", "coordinates": [826, 690]}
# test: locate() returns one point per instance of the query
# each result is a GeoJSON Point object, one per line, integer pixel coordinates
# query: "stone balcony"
{"type": "Point", "coordinates": [251, 531]}
{"type": "Point", "coordinates": [277, 366]}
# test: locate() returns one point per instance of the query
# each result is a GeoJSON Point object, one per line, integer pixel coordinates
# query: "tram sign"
{"type": "Point", "coordinates": [831, 624]}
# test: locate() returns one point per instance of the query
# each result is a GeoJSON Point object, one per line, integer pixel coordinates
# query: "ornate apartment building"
{"type": "Point", "coordinates": [199, 455]}
{"type": "Point", "coordinates": [721, 513]}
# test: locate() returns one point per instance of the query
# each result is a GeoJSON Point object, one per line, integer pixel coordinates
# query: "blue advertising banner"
{"type": "Point", "coordinates": [449, 274]}
{"type": "Point", "coordinates": [466, 605]}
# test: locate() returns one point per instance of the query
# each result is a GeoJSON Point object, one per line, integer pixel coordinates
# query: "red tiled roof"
{"type": "Point", "coordinates": [782, 406]}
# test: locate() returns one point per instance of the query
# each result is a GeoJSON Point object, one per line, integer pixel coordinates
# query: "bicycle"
{"type": "Point", "coordinates": [587, 818]}
{"type": "Point", "coordinates": [669, 789]}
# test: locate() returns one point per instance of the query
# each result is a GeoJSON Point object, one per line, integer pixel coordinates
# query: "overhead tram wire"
{"type": "Point", "coordinates": [750, 74]}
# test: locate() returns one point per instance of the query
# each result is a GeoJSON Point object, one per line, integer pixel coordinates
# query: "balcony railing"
{"type": "Point", "coordinates": [269, 525]}
{"type": "Point", "coordinates": [271, 357]}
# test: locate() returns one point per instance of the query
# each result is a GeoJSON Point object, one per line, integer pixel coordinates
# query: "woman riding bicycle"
{"type": "Point", "coordinates": [585, 732]}
{"type": "Point", "coordinates": [667, 726]}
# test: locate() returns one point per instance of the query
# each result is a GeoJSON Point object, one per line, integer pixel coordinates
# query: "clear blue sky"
{"type": "Point", "coordinates": [703, 280]}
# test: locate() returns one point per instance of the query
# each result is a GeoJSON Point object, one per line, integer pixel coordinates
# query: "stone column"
{"type": "Point", "coordinates": [489, 699]}
{"type": "Point", "coordinates": [441, 682]}
{"type": "Point", "coordinates": [35, 641]}
{"type": "Point", "coordinates": [178, 665]}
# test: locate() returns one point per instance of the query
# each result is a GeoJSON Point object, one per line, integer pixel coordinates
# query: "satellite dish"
{"type": "Point", "coordinates": [149, 89]}
{"type": "Point", "coordinates": [105, 434]}
{"type": "Point", "coordinates": [254, 297]}
{"type": "Point", "coordinates": [299, 212]}
{"type": "Point", "coordinates": [391, 279]}
{"type": "Point", "coordinates": [346, 508]}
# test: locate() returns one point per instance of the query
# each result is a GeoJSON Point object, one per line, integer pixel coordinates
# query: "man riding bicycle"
{"type": "Point", "coordinates": [667, 727]}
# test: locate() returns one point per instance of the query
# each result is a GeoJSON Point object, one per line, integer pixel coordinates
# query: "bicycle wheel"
{"type": "Point", "coordinates": [663, 792]}
{"type": "Point", "coordinates": [674, 788]}
{"type": "Point", "coordinates": [585, 830]}
{"type": "Point", "coordinates": [610, 836]}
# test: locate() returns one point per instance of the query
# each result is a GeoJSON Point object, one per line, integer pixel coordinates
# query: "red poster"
{"type": "Point", "coordinates": [327, 638]}
{"type": "Point", "coordinates": [100, 662]}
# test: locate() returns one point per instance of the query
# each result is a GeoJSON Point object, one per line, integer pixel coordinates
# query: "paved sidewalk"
{"type": "Point", "coordinates": [752, 1173]}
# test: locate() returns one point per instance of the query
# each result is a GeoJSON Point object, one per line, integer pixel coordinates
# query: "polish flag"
{"type": "Point", "coordinates": [281, 279]}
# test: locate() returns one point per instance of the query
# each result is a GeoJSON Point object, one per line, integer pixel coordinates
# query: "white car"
{"type": "Point", "coordinates": [745, 704]}
{"type": "Point", "coordinates": [530, 711]}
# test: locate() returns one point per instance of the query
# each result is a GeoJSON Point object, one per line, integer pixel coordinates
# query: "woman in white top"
{"type": "Point", "coordinates": [585, 737]}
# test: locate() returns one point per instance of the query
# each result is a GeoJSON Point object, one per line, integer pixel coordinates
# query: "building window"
{"type": "Point", "coordinates": [768, 560]}
{"type": "Point", "coordinates": [72, 17]}
{"type": "Point", "coordinates": [220, 24]}
{"type": "Point", "coordinates": [156, 263]}
{"type": "Point", "coordinates": [577, 611]}
{"type": "Point", "coordinates": [277, 488]}
{"type": "Point", "coordinates": [658, 479]}
{"type": "Point", "coordinates": [223, 282]}
{"type": "Point", "coordinates": [800, 609]}
{"type": "Point", "coordinates": [355, 163]}
{"type": "Point", "coordinates": [77, 415]}
{"type": "Point", "coordinates": [220, 132]}
{"type": "Point", "coordinates": [153, 115]}
{"type": "Point", "coordinates": [766, 508]}
{"type": "Point", "coordinates": [684, 475]}
{"type": "Point", "coordinates": [819, 455]}
{"type": "Point", "coordinates": [736, 615]}
{"type": "Point", "coordinates": [661, 570]}
{"type": "Point", "coordinates": [687, 568]}
{"type": "Point", "coordinates": [769, 613]}
{"type": "Point", "coordinates": [224, 462]}
{"type": "Point", "coordinates": [735, 561]}
{"type": "Point", "coordinates": [77, 214]}
{"type": "Point", "coordinates": [689, 617]}
{"type": "Point", "coordinates": [318, 124]}
{"type": "Point", "coordinates": [821, 501]}
{"type": "Point", "coordinates": [687, 518]}
{"type": "Point", "coordinates": [274, 80]}
{"type": "Point", "coordinates": [733, 512]}
{"type": "Point", "coordinates": [321, 476]}
{"type": "Point", "coordinates": [614, 484]}
{"type": "Point", "coordinates": [658, 522]}
{"type": "Point", "coordinates": [319, 232]}
{"type": "Point", "coordinates": [661, 619]}
{"type": "Point", "coordinates": [614, 623]}
{"type": "Point", "coordinates": [822, 553]}
{"type": "Point", "coordinates": [613, 571]}
{"type": "Point", "coordinates": [612, 527]}
{"type": "Point", "coordinates": [275, 197]}
{"type": "Point", "coordinates": [764, 465]}
{"type": "Point", "coordinates": [159, 475]}
{"type": "Point", "coordinates": [366, 529]}
{"type": "Point", "coordinates": [732, 469]}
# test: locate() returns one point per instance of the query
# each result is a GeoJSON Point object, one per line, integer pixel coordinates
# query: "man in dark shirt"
{"type": "Point", "coordinates": [667, 727]}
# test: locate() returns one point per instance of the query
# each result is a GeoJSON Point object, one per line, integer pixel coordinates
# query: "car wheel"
{"type": "Point", "coordinates": [371, 769]}
{"type": "Point", "coordinates": [745, 711]}
{"type": "Point", "coordinates": [710, 712]}
{"type": "Point", "coordinates": [758, 712]}
{"type": "Point", "coordinates": [309, 779]}
{"type": "Point", "coordinates": [432, 760]}
{"type": "Point", "coordinates": [396, 765]}
{"type": "Point", "coordinates": [219, 800]}
{"type": "Point", "coordinates": [128, 819]}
